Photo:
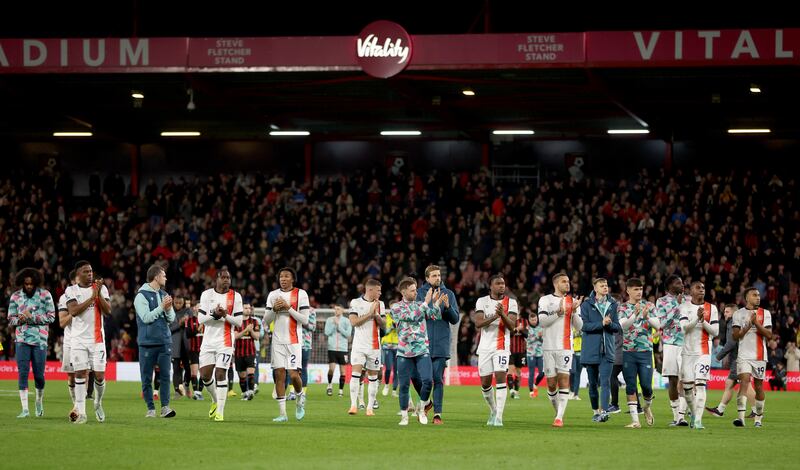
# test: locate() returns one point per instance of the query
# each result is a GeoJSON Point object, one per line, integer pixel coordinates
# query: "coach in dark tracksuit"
{"type": "Point", "coordinates": [600, 322]}
{"type": "Point", "coordinates": [439, 334]}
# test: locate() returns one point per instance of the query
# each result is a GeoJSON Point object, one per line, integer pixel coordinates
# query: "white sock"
{"type": "Point", "coordinates": [682, 408]}
{"type": "Point", "coordinates": [721, 407]}
{"type": "Point", "coordinates": [633, 409]}
{"type": "Point", "coordinates": [23, 397]}
{"type": "Point", "coordinates": [39, 395]}
{"type": "Point", "coordinates": [404, 414]}
{"type": "Point", "coordinates": [563, 399]}
{"type": "Point", "coordinates": [675, 405]}
{"type": "Point", "coordinates": [759, 410]}
{"type": "Point", "coordinates": [501, 394]}
{"type": "Point", "coordinates": [80, 396]}
{"type": "Point", "coordinates": [488, 395]}
{"type": "Point", "coordinates": [212, 389]}
{"type": "Point", "coordinates": [282, 405]}
{"type": "Point", "coordinates": [222, 397]}
{"type": "Point", "coordinates": [372, 391]}
{"type": "Point", "coordinates": [647, 403]}
{"type": "Point", "coordinates": [553, 396]}
{"type": "Point", "coordinates": [688, 394]}
{"type": "Point", "coordinates": [355, 388]}
{"type": "Point", "coordinates": [360, 391]}
{"type": "Point", "coordinates": [99, 391]}
{"type": "Point", "coordinates": [741, 406]}
{"type": "Point", "coordinates": [72, 393]}
{"type": "Point", "coordinates": [699, 401]}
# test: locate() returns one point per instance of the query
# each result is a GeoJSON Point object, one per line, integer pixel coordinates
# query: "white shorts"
{"type": "Point", "coordinates": [671, 361]}
{"type": "Point", "coordinates": [66, 360]}
{"type": "Point", "coordinates": [370, 359]}
{"type": "Point", "coordinates": [493, 361]}
{"type": "Point", "coordinates": [557, 362]}
{"type": "Point", "coordinates": [88, 356]}
{"type": "Point", "coordinates": [696, 368]}
{"type": "Point", "coordinates": [287, 356]}
{"type": "Point", "coordinates": [219, 358]}
{"type": "Point", "coordinates": [750, 366]}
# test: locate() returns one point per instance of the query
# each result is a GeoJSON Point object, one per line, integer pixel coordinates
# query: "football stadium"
{"type": "Point", "coordinates": [390, 235]}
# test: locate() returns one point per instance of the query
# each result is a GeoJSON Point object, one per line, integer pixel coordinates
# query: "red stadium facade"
{"type": "Point", "coordinates": [601, 49]}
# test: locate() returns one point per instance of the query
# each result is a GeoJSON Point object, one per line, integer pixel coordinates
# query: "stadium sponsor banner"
{"type": "Point", "coordinates": [284, 54]}
{"type": "Point", "coordinates": [718, 377]}
{"type": "Point", "coordinates": [311, 53]}
{"type": "Point", "coordinates": [468, 375]}
{"type": "Point", "coordinates": [693, 48]}
{"type": "Point", "coordinates": [52, 371]}
{"type": "Point", "coordinates": [431, 52]}
{"type": "Point", "coordinates": [84, 55]}
{"type": "Point", "coordinates": [486, 51]}
{"type": "Point", "coordinates": [318, 374]}
{"type": "Point", "coordinates": [383, 49]}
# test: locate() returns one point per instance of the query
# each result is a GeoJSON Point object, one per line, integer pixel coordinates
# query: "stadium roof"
{"type": "Point", "coordinates": [578, 102]}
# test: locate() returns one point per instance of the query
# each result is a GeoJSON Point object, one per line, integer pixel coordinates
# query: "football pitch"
{"type": "Point", "coordinates": [329, 438]}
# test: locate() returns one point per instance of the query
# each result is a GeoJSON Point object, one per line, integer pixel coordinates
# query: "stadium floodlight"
{"type": "Point", "coordinates": [180, 134]}
{"type": "Point", "coordinates": [749, 131]}
{"type": "Point", "coordinates": [288, 133]}
{"type": "Point", "coordinates": [137, 95]}
{"type": "Point", "coordinates": [628, 131]}
{"type": "Point", "coordinates": [72, 134]}
{"type": "Point", "coordinates": [468, 92]}
{"type": "Point", "coordinates": [513, 132]}
{"type": "Point", "coordinates": [755, 89]}
{"type": "Point", "coordinates": [394, 133]}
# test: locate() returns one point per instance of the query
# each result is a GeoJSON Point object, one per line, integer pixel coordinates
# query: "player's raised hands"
{"type": "Point", "coordinates": [280, 305]}
{"type": "Point", "coordinates": [429, 296]}
{"type": "Point", "coordinates": [166, 303]}
{"type": "Point", "coordinates": [440, 298]}
{"type": "Point", "coordinates": [562, 308]}
{"type": "Point", "coordinates": [498, 309]}
{"type": "Point", "coordinates": [701, 312]}
{"type": "Point", "coordinates": [638, 309]}
{"type": "Point", "coordinates": [576, 303]}
{"type": "Point", "coordinates": [446, 300]}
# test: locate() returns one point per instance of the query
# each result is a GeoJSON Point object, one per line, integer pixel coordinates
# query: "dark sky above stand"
{"type": "Point", "coordinates": [149, 18]}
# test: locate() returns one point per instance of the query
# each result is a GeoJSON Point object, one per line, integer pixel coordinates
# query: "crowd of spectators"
{"type": "Point", "coordinates": [730, 229]}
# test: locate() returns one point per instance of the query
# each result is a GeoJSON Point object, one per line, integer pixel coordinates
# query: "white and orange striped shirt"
{"type": "Point", "coordinates": [287, 329]}
{"type": "Point", "coordinates": [495, 336]}
{"type": "Point", "coordinates": [558, 330]}
{"type": "Point", "coordinates": [698, 336]}
{"type": "Point", "coordinates": [87, 328]}
{"type": "Point", "coordinates": [219, 334]}
{"type": "Point", "coordinates": [367, 336]}
{"type": "Point", "coordinates": [753, 346]}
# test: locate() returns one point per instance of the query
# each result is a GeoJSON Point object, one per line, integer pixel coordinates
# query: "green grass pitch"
{"type": "Point", "coordinates": [329, 438]}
